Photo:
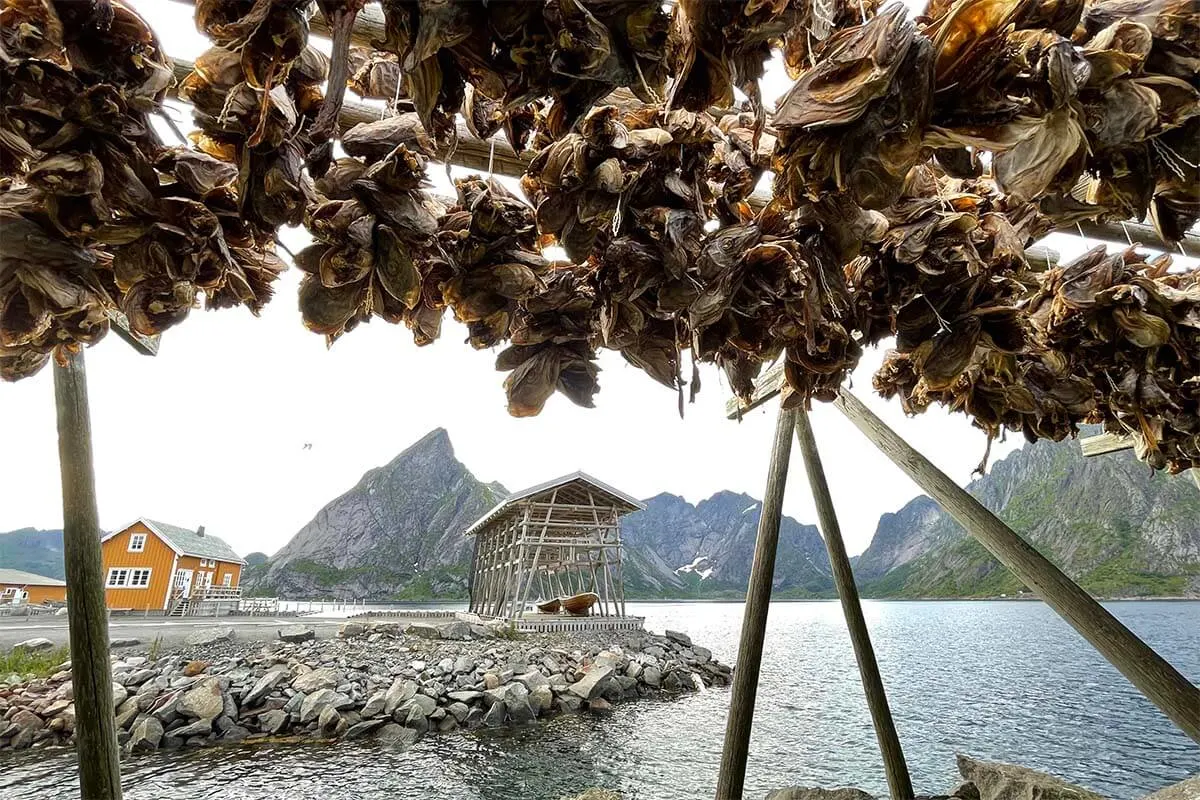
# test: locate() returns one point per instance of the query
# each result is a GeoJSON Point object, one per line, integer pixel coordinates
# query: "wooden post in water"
{"type": "Point", "coordinates": [754, 622]}
{"type": "Point", "coordinates": [894, 766]}
{"type": "Point", "coordinates": [1174, 694]}
{"type": "Point", "coordinates": [91, 675]}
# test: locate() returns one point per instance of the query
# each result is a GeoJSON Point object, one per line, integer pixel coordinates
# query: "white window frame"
{"type": "Point", "coordinates": [138, 539]}
{"type": "Point", "coordinates": [124, 578]}
{"type": "Point", "coordinates": [227, 580]}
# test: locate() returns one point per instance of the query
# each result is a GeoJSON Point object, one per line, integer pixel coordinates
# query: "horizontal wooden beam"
{"type": "Point", "coordinates": [1105, 443]}
{"type": "Point", "coordinates": [768, 385]}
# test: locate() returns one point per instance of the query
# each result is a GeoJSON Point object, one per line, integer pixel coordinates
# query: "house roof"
{"type": "Point", "coordinates": [19, 578]}
{"type": "Point", "coordinates": [624, 503]}
{"type": "Point", "coordinates": [187, 542]}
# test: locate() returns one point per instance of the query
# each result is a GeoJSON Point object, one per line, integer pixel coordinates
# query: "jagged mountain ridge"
{"type": "Point", "coordinates": [1109, 522]}
{"type": "Point", "coordinates": [33, 550]}
{"type": "Point", "coordinates": [396, 534]}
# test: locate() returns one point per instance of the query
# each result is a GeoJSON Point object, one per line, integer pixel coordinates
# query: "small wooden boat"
{"type": "Point", "coordinates": [552, 606]}
{"type": "Point", "coordinates": [580, 604]}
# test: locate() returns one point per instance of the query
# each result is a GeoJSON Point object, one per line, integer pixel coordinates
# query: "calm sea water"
{"type": "Point", "coordinates": [998, 680]}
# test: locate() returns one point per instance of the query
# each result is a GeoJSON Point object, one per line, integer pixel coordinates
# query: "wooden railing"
{"type": "Point", "coordinates": [216, 593]}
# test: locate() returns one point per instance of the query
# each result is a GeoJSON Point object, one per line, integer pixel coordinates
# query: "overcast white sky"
{"type": "Point", "coordinates": [211, 431]}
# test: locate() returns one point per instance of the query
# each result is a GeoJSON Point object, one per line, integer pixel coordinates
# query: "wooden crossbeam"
{"type": "Point", "coordinates": [768, 385]}
{"type": "Point", "coordinates": [1103, 443]}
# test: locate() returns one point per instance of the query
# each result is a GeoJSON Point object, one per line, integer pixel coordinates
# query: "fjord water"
{"type": "Point", "coordinates": [1000, 680]}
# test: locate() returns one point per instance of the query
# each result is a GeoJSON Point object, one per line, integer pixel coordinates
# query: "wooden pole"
{"type": "Point", "coordinates": [1147, 670]}
{"type": "Point", "coordinates": [91, 675]}
{"type": "Point", "coordinates": [732, 776]}
{"type": "Point", "coordinates": [843, 579]}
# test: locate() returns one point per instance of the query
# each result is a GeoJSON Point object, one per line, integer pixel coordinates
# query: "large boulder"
{"type": "Point", "coordinates": [424, 630]}
{"type": "Point", "coordinates": [456, 630]}
{"type": "Point", "coordinates": [265, 684]}
{"type": "Point", "coordinates": [997, 781]}
{"type": "Point", "coordinates": [297, 633]}
{"type": "Point", "coordinates": [317, 702]}
{"type": "Point", "coordinates": [203, 701]}
{"type": "Point", "coordinates": [146, 735]}
{"type": "Point", "coordinates": [592, 683]}
{"type": "Point", "coordinates": [323, 678]}
{"type": "Point", "coordinates": [401, 691]}
{"type": "Point", "coordinates": [209, 636]}
{"type": "Point", "coordinates": [201, 727]}
{"type": "Point", "coordinates": [1186, 789]}
{"type": "Point", "coordinates": [679, 638]}
{"type": "Point", "coordinates": [395, 735]}
{"type": "Point", "coordinates": [374, 705]}
{"type": "Point", "coordinates": [815, 793]}
{"type": "Point", "coordinates": [273, 721]}
{"type": "Point", "coordinates": [35, 645]}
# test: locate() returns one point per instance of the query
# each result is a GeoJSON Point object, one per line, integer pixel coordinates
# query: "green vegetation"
{"type": "Point", "coordinates": [40, 665]}
{"type": "Point", "coordinates": [1119, 577]}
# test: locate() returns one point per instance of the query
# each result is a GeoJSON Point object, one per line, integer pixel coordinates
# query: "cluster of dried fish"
{"type": "Point", "coordinates": [1132, 330]}
{"type": "Point", "coordinates": [493, 62]}
{"type": "Point", "coordinates": [716, 46]}
{"type": "Point", "coordinates": [1090, 109]}
{"type": "Point", "coordinates": [375, 229]}
{"type": "Point", "coordinates": [1109, 339]}
{"type": "Point", "coordinates": [93, 216]}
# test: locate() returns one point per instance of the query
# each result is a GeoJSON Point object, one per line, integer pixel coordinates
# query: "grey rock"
{"type": "Point", "coordinates": [541, 699]}
{"type": "Point", "coordinates": [467, 696]}
{"type": "Point", "coordinates": [203, 700]}
{"type": "Point", "coordinates": [297, 633]}
{"type": "Point", "coordinates": [1186, 789]}
{"type": "Point", "coordinates": [323, 678]}
{"type": "Point", "coordinates": [401, 691]}
{"type": "Point", "coordinates": [375, 705]}
{"type": "Point", "coordinates": [679, 638]}
{"type": "Point", "coordinates": [703, 654]}
{"type": "Point", "coordinates": [395, 735]}
{"type": "Point", "coordinates": [201, 727]}
{"type": "Point", "coordinates": [35, 645]}
{"type": "Point", "coordinates": [329, 720]}
{"type": "Point", "coordinates": [414, 717]}
{"type": "Point", "coordinates": [272, 678]}
{"type": "Point", "coordinates": [651, 676]}
{"type": "Point", "coordinates": [592, 682]}
{"type": "Point", "coordinates": [123, 642]}
{"type": "Point", "coordinates": [146, 735]}
{"type": "Point", "coordinates": [464, 664]}
{"type": "Point", "coordinates": [273, 721]}
{"type": "Point", "coordinates": [127, 714]}
{"type": "Point", "coordinates": [457, 630]}
{"type": "Point", "coordinates": [424, 702]}
{"type": "Point", "coordinates": [569, 703]}
{"type": "Point", "coordinates": [424, 630]}
{"type": "Point", "coordinates": [349, 630]}
{"type": "Point", "coordinates": [532, 680]}
{"type": "Point", "coordinates": [317, 702]}
{"type": "Point", "coordinates": [805, 793]}
{"type": "Point", "coordinates": [235, 734]}
{"type": "Point", "coordinates": [599, 704]}
{"type": "Point", "coordinates": [459, 711]}
{"type": "Point", "coordinates": [494, 718]}
{"type": "Point", "coordinates": [997, 781]}
{"type": "Point", "coordinates": [119, 694]}
{"type": "Point", "coordinates": [364, 728]}
{"type": "Point", "coordinates": [209, 636]}
{"type": "Point", "coordinates": [965, 791]}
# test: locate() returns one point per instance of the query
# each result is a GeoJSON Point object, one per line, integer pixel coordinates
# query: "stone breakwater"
{"type": "Point", "coordinates": [388, 681]}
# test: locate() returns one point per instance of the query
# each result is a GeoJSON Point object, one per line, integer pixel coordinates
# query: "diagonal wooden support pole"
{"type": "Point", "coordinates": [899, 783]}
{"type": "Point", "coordinates": [1147, 670]}
{"type": "Point", "coordinates": [732, 777]}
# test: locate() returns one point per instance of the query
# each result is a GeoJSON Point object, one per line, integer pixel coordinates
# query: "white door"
{"type": "Point", "coordinates": [183, 582]}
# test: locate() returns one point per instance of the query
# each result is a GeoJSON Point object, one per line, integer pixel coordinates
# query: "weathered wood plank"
{"type": "Point", "coordinates": [894, 766]}
{"type": "Point", "coordinates": [1103, 443]}
{"type": "Point", "coordinates": [731, 779]}
{"type": "Point", "coordinates": [1160, 682]}
{"type": "Point", "coordinates": [87, 617]}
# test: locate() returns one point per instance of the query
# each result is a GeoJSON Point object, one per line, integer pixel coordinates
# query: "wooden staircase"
{"type": "Point", "coordinates": [180, 606]}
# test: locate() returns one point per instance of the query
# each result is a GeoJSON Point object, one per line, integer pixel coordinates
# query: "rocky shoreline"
{"type": "Point", "coordinates": [388, 680]}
